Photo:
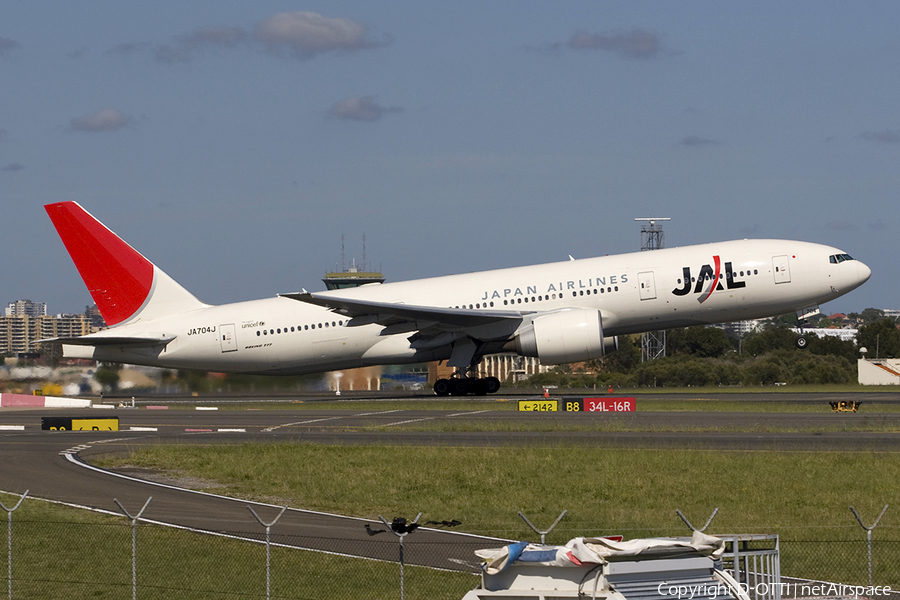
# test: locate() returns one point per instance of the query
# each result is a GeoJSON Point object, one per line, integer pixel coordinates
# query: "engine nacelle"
{"type": "Point", "coordinates": [567, 336]}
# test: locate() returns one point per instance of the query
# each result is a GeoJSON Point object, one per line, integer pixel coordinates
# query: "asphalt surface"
{"type": "Point", "coordinates": [55, 465]}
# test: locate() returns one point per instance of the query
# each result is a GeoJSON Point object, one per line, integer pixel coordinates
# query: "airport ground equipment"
{"type": "Point", "coordinates": [664, 568]}
{"type": "Point", "coordinates": [845, 406]}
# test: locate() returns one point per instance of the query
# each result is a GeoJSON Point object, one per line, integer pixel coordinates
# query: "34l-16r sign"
{"type": "Point", "coordinates": [605, 404]}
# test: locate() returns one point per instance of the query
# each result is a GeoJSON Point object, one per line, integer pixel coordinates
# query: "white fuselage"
{"type": "Point", "coordinates": [633, 292]}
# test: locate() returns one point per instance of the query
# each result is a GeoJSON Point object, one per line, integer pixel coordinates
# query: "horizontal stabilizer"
{"type": "Point", "coordinates": [108, 340]}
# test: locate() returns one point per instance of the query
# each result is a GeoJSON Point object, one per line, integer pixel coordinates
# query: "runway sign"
{"type": "Point", "coordinates": [539, 405]}
{"type": "Point", "coordinates": [606, 404]}
{"type": "Point", "coordinates": [75, 424]}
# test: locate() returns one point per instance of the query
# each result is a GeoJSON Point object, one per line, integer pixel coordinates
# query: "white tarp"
{"type": "Point", "coordinates": [581, 551]}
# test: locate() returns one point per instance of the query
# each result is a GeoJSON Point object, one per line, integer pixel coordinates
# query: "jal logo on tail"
{"type": "Point", "coordinates": [709, 279]}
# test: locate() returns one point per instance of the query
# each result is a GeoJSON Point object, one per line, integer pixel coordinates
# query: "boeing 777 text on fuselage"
{"type": "Point", "coordinates": [560, 312]}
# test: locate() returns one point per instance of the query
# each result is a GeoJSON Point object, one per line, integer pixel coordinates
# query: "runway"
{"type": "Point", "coordinates": [55, 464]}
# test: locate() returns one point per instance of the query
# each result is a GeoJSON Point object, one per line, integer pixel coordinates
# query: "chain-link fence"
{"type": "Point", "coordinates": [842, 560]}
{"type": "Point", "coordinates": [67, 560]}
{"type": "Point", "coordinates": [75, 554]}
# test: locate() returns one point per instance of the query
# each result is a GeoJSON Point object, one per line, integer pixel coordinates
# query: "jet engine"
{"type": "Point", "coordinates": [567, 336]}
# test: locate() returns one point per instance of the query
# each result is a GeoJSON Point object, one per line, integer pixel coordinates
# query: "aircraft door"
{"type": "Point", "coordinates": [228, 337]}
{"type": "Point", "coordinates": [781, 269]}
{"type": "Point", "coordinates": [647, 285]}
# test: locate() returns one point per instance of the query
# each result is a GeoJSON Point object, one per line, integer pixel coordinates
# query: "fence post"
{"type": "Point", "coordinates": [401, 528]}
{"type": "Point", "coordinates": [9, 512]}
{"type": "Point", "coordinates": [134, 520]}
{"type": "Point", "coordinates": [869, 535]}
{"type": "Point", "coordinates": [544, 533]}
{"type": "Point", "coordinates": [688, 523]}
{"type": "Point", "coordinates": [268, 527]}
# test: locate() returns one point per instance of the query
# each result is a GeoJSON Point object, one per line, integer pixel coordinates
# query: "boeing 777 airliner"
{"type": "Point", "coordinates": [559, 312]}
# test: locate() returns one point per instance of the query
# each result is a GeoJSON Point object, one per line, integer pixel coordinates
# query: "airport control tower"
{"type": "Point", "coordinates": [653, 343]}
{"type": "Point", "coordinates": [355, 276]}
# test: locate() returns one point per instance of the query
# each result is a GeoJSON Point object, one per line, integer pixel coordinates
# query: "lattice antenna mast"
{"type": "Point", "coordinates": [652, 235]}
{"type": "Point", "coordinates": [363, 265]}
{"type": "Point", "coordinates": [653, 343]}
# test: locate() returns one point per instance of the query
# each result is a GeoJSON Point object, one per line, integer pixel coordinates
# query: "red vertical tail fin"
{"type": "Point", "coordinates": [121, 281]}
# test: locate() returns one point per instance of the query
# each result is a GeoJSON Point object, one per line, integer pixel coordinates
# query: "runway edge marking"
{"type": "Point", "coordinates": [76, 460]}
{"type": "Point", "coordinates": [211, 532]}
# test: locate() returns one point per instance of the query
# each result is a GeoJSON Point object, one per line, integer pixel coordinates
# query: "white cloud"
{"type": "Point", "coordinates": [108, 119]}
{"type": "Point", "coordinates": [306, 34]}
{"type": "Point", "coordinates": [364, 108]}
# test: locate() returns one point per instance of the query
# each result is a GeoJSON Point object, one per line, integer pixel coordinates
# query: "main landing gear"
{"type": "Point", "coordinates": [462, 386]}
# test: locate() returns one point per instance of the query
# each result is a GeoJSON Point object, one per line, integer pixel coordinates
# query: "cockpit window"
{"type": "Point", "coordinates": [839, 258]}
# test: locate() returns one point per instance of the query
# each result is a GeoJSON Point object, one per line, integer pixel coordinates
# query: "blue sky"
{"type": "Point", "coordinates": [233, 143]}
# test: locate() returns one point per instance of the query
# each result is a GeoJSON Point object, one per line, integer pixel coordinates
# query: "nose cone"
{"type": "Point", "coordinates": [863, 272]}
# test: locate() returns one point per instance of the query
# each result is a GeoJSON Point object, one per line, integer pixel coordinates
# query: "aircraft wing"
{"type": "Point", "coordinates": [108, 340]}
{"type": "Point", "coordinates": [421, 318]}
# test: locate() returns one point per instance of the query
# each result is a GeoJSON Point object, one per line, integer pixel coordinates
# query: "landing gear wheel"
{"type": "Point", "coordinates": [459, 387]}
{"type": "Point", "coordinates": [479, 387]}
{"type": "Point", "coordinates": [491, 385]}
{"type": "Point", "coordinates": [442, 387]}
{"type": "Point", "coordinates": [802, 342]}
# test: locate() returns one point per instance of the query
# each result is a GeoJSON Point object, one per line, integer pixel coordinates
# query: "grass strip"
{"type": "Point", "coordinates": [61, 552]}
{"type": "Point", "coordinates": [802, 496]}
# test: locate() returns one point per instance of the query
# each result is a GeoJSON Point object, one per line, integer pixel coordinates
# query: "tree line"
{"type": "Point", "coordinates": [709, 356]}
